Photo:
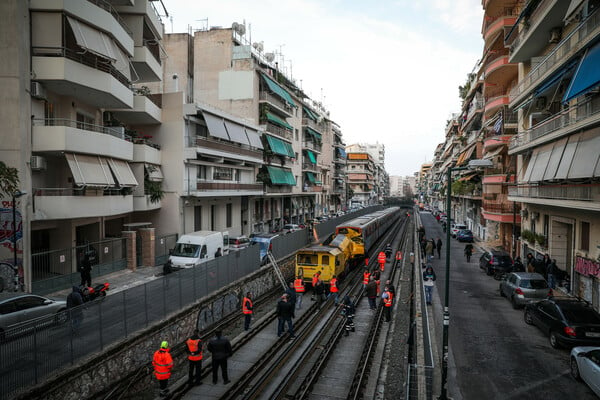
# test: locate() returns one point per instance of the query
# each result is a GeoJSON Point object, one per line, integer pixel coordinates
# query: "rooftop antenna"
{"type": "Point", "coordinates": [205, 20]}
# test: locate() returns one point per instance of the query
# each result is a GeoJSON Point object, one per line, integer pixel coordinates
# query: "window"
{"type": "Point", "coordinates": [546, 225]}
{"type": "Point", "coordinates": [201, 131]}
{"type": "Point", "coordinates": [197, 218]}
{"type": "Point", "coordinates": [223, 174]}
{"type": "Point", "coordinates": [203, 251]}
{"type": "Point", "coordinates": [325, 260]}
{"type": "Point", "coordinates": [228, 215]}
{"type": "Point", "coordinates": [585, 236]}
{"type": "Point", "coordinates": [201, 172]}
{"type": "Point", "coordinates": [296, 133]}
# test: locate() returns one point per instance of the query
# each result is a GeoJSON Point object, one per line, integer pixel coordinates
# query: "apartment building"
{"type": "Point", "coordinates": [557, 147]}
{"type": "Point", "coordinates": [360, 169]}
{"type": "Point", "coordinates": [377, 152]}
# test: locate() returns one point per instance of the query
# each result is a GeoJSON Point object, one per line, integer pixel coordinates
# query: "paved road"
{"type": "Point", "coordinates": [496, 355]}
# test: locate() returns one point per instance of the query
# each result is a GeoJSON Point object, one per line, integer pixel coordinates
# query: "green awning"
{"type": "Point", "coordinates": [278, 90]}
{"type": "Point", "coordinates": [310, 114]}
{"type": "Point", "coordinates": [311, 131]}
{"type": "Point", "coordinates": [311, 157]}
{"type": "Point", "coordinates": [278, 146]}
{"type": "Point", "coordinates": [278, 121]}
{"type": "Point", "coordinates": [318, 182]}
{"type": "Point", "coordinates": [311, 177]}
{"type": "Point", "coordinates": [280, 176]}
{"type": "Point", "coordinates": [290, 150]}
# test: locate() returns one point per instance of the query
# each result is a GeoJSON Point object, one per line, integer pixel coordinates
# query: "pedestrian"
{"type": "Point", "coordinates": [518, 265]}
{"type": "Point", "coordinates": [376, 274]}
{"type": "Point", "coordinates": [218, 253]}
{"type": "Point", "coordinates": [530, 263]}
{"type": "Point", "coordinates": [86, 270]}
{"type": "Point", "coordinates": [546, 261]}
{"type": "Point", "coordinates": [320, 291]}
{"type": "Point", "coordinates": [315, 279]}
{"type": "Point", "coordinates": [438, 245]}
{"type": "Point", "coordinates": [421, 233]}
{"type": "Point", "coordinates": [371, 291]}
{"type": "Point", "coordinates": [468, 251]}
{"type": "Point", "coordinates": [299, 288]}
{"type": "Point", "coordinates": [194, 349]}
{"type": "Point", "coordinates": [163, 363]}
{"type": "Point", "coordinates": [74, 302]}
{"type": "Point", "coordinates": [291, 294]}
{"type": "Point", "coordinates": [285, 313]}
{"type": "Point", "coordinates": [367, 262]}
{"type": "Point", "coordinates": [551, 271]}
{"type": "Point", "coordinates": [428, 282]}
{"type": "Point", "coordinates": [333, 290]}
{"type": "Point", "coordinates": [387, 298]}
{"type": "Point", "coordinates": [366, 275]}
{"type": "Point", "coordinates": [167, 267]}
{"type": "Point", "coordinates": [381, 260]}
{"type": "Point", "coordinates": [429, 249]}
{"type": "Point", "coordinates": [247, 310]}
{"type": "Point", "coordinates": [423, 244]}
{"type": "Point", "coordinates": [388, 250]}
{"type": "Point", "coordinates": [348, 311]}
{"type": "Point", "coordinates": [390, 287]}
{"type": "Point", "coordinates": [220, 348]}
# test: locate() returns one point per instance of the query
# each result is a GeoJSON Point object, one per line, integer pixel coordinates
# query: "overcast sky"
{"type": "Point", "coordinates": [388, 71]}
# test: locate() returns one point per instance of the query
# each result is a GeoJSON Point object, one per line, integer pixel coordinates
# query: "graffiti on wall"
{"type": "Point", "coordinates": [6, 226]}
{"type": "Point", "coordinates": [587, 267]}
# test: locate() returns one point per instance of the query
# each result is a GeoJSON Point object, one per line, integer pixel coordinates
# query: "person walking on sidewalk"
{"type": "Point", "coordinates": [429, 249]}
{"type": "Point", "coordinates": [468, 251]}
{"type": "Point", "coordinates": [551, 273]}
{"type": "Point", "coordinates": [438, 246]}
{"type": "Point", "coordinates": [85, 269]}
{"type": "Point", "coordinates": [220, 347]}
{"type": "Point", "coordinates": [74, 302]}
{"type": "Point", "coordinates": [163, 363]}
{"type": "Point", "coordinates": [428, 282]}
{"type": "Point", "coordinates": [194, 350]}
{"type": "Point", "coordinates": [247, 310]}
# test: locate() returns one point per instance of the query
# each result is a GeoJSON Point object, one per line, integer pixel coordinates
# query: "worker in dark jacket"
{"type": "Point", "coordinates": [371, 291]}
{"type": "Point", "coordinates": [74, 301]}
{"type": "Point", "coordinates": [285, 313]}
{"type": "Point", "coordinates": [291, 293]}
{"type": "Point", "coordinates": [220, 347]}
{"type": "Point", "coordinates": [85, 268]}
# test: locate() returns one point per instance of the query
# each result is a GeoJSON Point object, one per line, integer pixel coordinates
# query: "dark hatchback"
{"type": "Point", "coordinates": [567, 322]}
{"type": "Point", "coordinates": [464, 235]}
{"type": "Point", "coordinates": [493, 261]}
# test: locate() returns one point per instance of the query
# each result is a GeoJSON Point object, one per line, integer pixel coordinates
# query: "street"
{"type": "Point", "coordinates": [495, 354]}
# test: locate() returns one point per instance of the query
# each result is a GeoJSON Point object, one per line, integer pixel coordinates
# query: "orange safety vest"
{"type": "Point", "coordinates": [299, 286]}
{"type": "Point", "coordinates": [381, 257]}
{"type": "Point", "coordinates": [333, 286]}
{"type": "Point", "coordinates": [366, 276]}
{"type": "Point", "coordinates": [194, 348]}
{"type": "Point", "coordinates": [245, 308]}
{"type": "Point", "coordinates": [315, 279]}
{"type": "Point", "coordinates": [388, 302]}
{"type": "Point", "coordinates": [162, 362]}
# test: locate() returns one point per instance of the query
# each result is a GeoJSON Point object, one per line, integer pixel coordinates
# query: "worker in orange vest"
{"type": "Point", "coordinates": [377, 276]}
{"type": "Point", "coordinates": [333, 290]}
{"type": "Point", "coordinates": [366, 275]}
{"type": "Point", "coordinates": [315, 279]}
{"type": "Point", "coordinates": [194, 348]}
{"type": "Point", "coordinates": [388, 298]}
{"type": "Point", "coordinates": [381, 260]}
{"type": "Point", "coordinates": [299, 288]}
{"type": "Point", "coordinates": [163, 363]}
{"type": "Point", "coordinates": [247, 310]}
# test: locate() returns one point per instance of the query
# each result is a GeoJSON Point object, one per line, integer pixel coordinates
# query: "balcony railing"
{"type": "Point", "coordinates": [309, 167]}
{"type": "Point", "coordinates": [308, 144]}
{"type": "Point", "coordinates": [312, 189]}
{"type": "Point", "coordinates": [206, 186]}
{"type": "Point", "coordinates": [565, 49]}
{"type": "Point", "coordinates": [82, 191]}
{"type": "Point", "coordinates": [279, 131]}
{"type": "Point", "coordinates": [564, 119]}
{"type": "Point", "coordinates": [582, 192]}
{"type": "Point", "coordinates": [312, 124]}
{"type": "Point", "coordinates": [531, 21]}
{"type": "Point", "coordinates": [282, 105]}
{"type": "Point", "coordinates": [501, 207]}
{"type": "Point", "coordinates": [278, 189]}
{"type": "Point", "coordinates": [107, 7]}
{"type": "Point", "coordinates": [117, 132]}
{"type": "Point", "coordinates": [243, 150]}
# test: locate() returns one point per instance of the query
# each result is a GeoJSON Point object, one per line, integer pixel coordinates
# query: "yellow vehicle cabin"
{"type": "Point", "coordinates": [329, 259]}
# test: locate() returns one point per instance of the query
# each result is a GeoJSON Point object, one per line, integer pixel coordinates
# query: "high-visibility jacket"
{"type": "Point", "coordinates": [381, 257]}
{"type": "Point", "coordinates": [247, 306]}
{"type": "Point", "coordinates": [315, 279]}
{"type": "Point", "coordinates": [195, 349]}
{"type": "Point", "coordinates": [162, 362]}
{"type": "Point", "coordinates": [299, 285]}
{"type": "Point", "coordinates": [366, 276]}
{"type": "Point", "coordinates": [388, 302]}
{"type": "Point", "coordinates": [333, 285]}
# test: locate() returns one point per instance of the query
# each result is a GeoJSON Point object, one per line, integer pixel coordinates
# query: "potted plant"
{"type": "Point", "coordinates": [154, 190]}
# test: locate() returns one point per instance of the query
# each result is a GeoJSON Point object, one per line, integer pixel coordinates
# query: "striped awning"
{"type": "Point", "coordinates": [278, 121]}
{"type": "Point", "coordinates": [278, 90]}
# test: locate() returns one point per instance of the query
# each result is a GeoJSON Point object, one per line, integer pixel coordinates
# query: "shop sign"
{"type": "Point", "coordinates": [588, 267]}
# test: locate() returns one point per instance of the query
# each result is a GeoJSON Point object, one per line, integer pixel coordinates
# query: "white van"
{"type": "Point", "coordinates": [198, 247]}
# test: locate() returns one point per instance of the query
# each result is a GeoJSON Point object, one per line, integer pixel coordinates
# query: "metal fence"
{"type": "Point", "coordinates": [162, 245]}
{"type": "Point", "coordinates": [419, 382]}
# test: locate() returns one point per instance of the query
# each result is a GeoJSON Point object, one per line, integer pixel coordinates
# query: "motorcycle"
{"type": "Point", "coordinates": [93, 293]}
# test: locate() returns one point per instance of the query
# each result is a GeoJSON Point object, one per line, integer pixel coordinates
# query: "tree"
{"type": "Point", "coordinates": [9, 180]}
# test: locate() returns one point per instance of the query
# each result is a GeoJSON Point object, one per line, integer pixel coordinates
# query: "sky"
{"type": "Point", "coordinates": [387, 70]}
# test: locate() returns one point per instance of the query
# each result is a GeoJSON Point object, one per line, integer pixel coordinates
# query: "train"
{"type": "Point", "coordinates": [348, 246]}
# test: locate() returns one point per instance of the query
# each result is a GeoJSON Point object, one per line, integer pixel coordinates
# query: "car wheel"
{"type": "Point", "coordinates": [527, 317]}
{"type": "Point", "coordinates": [554, 340]}
{"type": "Point", "coordinates": [514, 303]}
{"type": "Point", "coordinates": [575, 369]}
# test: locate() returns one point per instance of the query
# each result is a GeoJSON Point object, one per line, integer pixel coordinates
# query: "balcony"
{"type": "Point", "coordinates": [494, 142]}
{"type": "Point", "coordinates": [494, 102]}
{"type": "Point", "coordinates": [312, 124]}
{"type": "Point", "coordinates": [69, 203]}
{"type": "Point", "coordinates": [62, 135]}
{"type": "Point", "coordinates": [147, 9]}
{"type": "Point", "coordinates": [279, 131]}
{"type": "Point", "coordinates": [146, 154]}
{"type": "Point", "coordinates": [309, 144]}
{"type": "Point", "coordinates": [500, 71]}
{"type": "Point", "coordinates": [147, 64]}
{"type": "Point", "coordinates": [312, 189]}
{"type": "Point", "coordinates": [492, 27]}
{"type": "Point", "coordinates": [578, 196]}
{"type": "Point", "coordinates": [310, 167]}
{"type": "Point", "coordinates": [501, 211]}
{"type": "Point", "coordinates": [278, 189]}
{"type": "Point", "coordinates": [232, 150]}
{"type": "Point", "coordinates": [227, 188]}
{"type": "Point", "coordinates": [498, 179]}
{"type": "Point", "coordinates": [145, 111]}
{"type": "Point", "coordinates": [143, 203]}
{"type": "Point", "coordinates": [277, 102]}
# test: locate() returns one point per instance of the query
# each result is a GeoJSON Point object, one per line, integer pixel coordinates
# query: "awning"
{"type": "Point", "coordinates": [587, 75]}
{"type": "Point", "coordinates": [586, 155]}
{"type": "Point", "coordinates": [465, 155]}
{"type": "Point", "coordinates": [91, 39]}
{"type": "Point", "coordinates": [341, 152]}
{"type": "Point", "coordinates": [311, 157]}
{"type": "Point", "coordinates": [90, 170]}
{"type": "Point", "coordinates": [541, 163]}
{"type": "Point", "coordinates": [216, 126]}
{"type": "Point", "coordinates": [254, 138]}
{"type": "Point", "coordinates": [572, 7]}
{"type": "Point", "coordinates": [310, 176]}
{"type": "Point", "coordinates": [467, 178]}
{"type": "Point", "coordinates": [525, 13]}
{"type": "Point", "coordinates": [290, 149]}
{"type": "Point", "coordinates": [236, 133]}
{"type": "Point", "coordinates": [491, 154]}
{"type": "Point", "coordinates": [554, 160]}
{"type": "Point", "coordinates": [309, 113]}
{"type": "Point", "coordinates": [278, 121]}
{"type": "Point", "coordinates": [314, 133]}
{"type": "Point", "coordinates": [556, 78]}
{"type": "Point", "coordinates": [154, 172]}
{"type": "Point", "coordinates": [567, 158]}
{"type": "Point", "coordinates": [277, 146]}
{"type": "Point", "coordinates": [121, 60]}
{"type": "Point", "coordinates": [122, 172]}
{"type": "Point", "coordinates": [281, 176]}
{"type": "Point", "coordinates": [278, 90]}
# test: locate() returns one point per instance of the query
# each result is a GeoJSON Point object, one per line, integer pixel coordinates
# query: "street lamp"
{"type": "Point", "coordinates": [473, 164]}
{"type": "Point", "coordinates": [15, 196]}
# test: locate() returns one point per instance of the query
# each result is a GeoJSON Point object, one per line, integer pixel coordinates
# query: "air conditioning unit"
{"type": "Point", "coordinates": [38, 163]}
{"type": "Point", "coordinates": [38, 91]}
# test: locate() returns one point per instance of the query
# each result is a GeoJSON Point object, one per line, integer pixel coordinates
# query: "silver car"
{"type": "Point", "coordinates": [524, 287]}
{"type": "Point", "coordinates": [585, 366]}
{"type": "Point", "coordinates": [16, 311]}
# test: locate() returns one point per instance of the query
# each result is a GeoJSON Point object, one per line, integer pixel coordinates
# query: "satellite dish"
{"type": "Point", "coordinates": [258, 46]}
{"type": "Point", "coordinates": [240, 29]}
{"type": "Point", "coordinates": [270, 57]}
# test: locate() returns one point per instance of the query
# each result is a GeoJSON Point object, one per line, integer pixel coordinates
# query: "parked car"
{"type": "Point", "coordinates": [264, 240]}
{"type": "Point", "coordinates": [454, 228]}
{"type": "Point", "coordinates": [288, 228]}
{"type": "Point", "coordinates": [238, 242]}
{"type": "Point", "coordinates": [524, 287]}
{"type": "Point", "coordinates": [17, 311]}
{"type": "Point", "coordinates": [464, 235]}
{"type": "Point", "coordinates": [492, 261]}
{"type": "Point", "coordinates": [585, 366]}
{"type": "Point", "coordinates": [567, 322]}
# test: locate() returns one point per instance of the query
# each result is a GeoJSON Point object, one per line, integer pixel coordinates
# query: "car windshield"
{"type": "Point", "coordinates": [580, 315]}
{"type": "Point", "coordinates": [533, 284]}
{"type": "Point", "coordinates": [186, 250]}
